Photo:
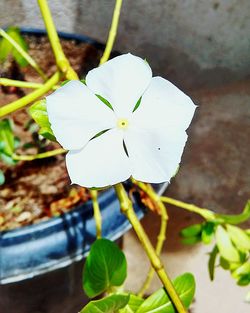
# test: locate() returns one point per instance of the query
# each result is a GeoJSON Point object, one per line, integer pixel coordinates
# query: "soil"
{"type": "Point", "coordinates": [36, 190]}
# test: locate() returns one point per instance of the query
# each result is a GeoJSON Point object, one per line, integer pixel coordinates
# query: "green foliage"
{"type": "Point", "coordinates": [211, 262]}
{"type": "Point", "coordinates": [159, 301]}
{"type": "Point", "coordinates": [2, 178]}
{"type": "Point", "coordinates": [239, 237]}
{"type": "Point", "coordinates": [108, 104]}
{"type": "Point", "coordinates": [133, 304]}
{"type": "Point", "coordinates": [8, 142]}
{"type": "Point", "coordinates": [105, 267]}
{"type": "Point", "coordinates": [7, 49]}
{"type": "Point", "coordinates": [109, 304]}
{"type": "Point", "coordinates": [38, 112]}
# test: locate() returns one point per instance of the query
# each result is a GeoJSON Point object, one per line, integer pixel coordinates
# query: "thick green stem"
{"type": "Point", "coordinates": [112, 32]}
{"type": "Point", "coordinates": [61, 61]}
{"type": "Point", "coordinates": [128, 211]}
{"type": "Point", "coordinates": [22, 102]}
{"type": "Point", "coordinates": [97, 213]}
{"type": "Point", "coordinates": [162, 233]}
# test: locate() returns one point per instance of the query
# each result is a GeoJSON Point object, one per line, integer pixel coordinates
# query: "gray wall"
{"type": "Point", "coordinates": [193, 42]}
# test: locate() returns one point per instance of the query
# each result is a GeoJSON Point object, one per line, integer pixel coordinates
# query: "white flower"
{"type": "Point", "coordinates": [146, 144]}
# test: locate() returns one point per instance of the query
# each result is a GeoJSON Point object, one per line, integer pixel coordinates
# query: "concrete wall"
{"type": "Point", "coordinates": [193, 42]}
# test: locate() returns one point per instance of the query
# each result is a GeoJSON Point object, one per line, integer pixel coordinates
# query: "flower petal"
{"type": "Point", "coordinates": [121, 81]}
{"type": "Point", "coordinates": [102, 162]}
{"type": "Point", "coordinates": [164, 106]}
{"type": "Point", "coordinates": [154, 156]}
{"type": "Point", "coordinates": [77, 115]}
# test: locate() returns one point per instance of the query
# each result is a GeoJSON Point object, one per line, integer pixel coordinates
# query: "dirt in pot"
{"type": "Point", "coordinates": [37, 190]}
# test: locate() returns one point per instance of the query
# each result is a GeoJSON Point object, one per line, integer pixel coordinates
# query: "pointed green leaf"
{"type": "Point", "coordinates": [238, 218]}
{"type": "Point", "coordinates": [244, 269]}
{"type": "Point", "coordinates": [14, 33]}
{"type": "Point", "coordinates": [239, 238]}
{"type": "Point", "coordinates": [211, 262]}
{"type": "Point", "coordinates": [159, 301]}
{"type": "Point", "coordinates": [207, 232]}
{"type": "Point", "coordinates": [105, 267]}
{"type": "Point", "coordinates": [190, 240]}
{"type": "Point", "coordinates": [6, 137]}
{"type": "Point", "coordinates": [191, 231]}
{"type": "Point", "coordinates": [225, 246]}
{"type": "Point", "coordinates": [109, 304]}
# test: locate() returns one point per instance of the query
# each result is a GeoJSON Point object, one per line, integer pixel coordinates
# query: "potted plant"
{"type": "Point", "coordinates": [89, 118]}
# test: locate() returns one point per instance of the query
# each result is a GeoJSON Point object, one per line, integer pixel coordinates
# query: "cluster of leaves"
{"type": "Point", "coordinates": [231, 250]}
{"type": "Point", "coordinates": [105, 271]}
{"type": "Point", "coordinates": [6, 49]}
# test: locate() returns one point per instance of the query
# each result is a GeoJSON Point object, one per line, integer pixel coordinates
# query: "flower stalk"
{"type": "Point", "coordinates": [128, 211]}
{"type": "Point", "coordinates": [43, 155]}
{"type": "Point", "coordinates": [97, 213]}
{"type": "Point", "coordinates": [61, 61]}
{"type": "Point", "coordinates": [112, 32]}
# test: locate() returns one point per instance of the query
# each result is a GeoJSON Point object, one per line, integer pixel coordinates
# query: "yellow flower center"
{"type": "Point", "coordinates": [122, 123]}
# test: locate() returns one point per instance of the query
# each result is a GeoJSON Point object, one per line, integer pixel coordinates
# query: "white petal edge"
{"type": "Point", "coordinates": [154, 156]}
{"type": "Point", "coordinates": [102, 162]}
{"type": "Point", "coordinates": [164, 106]}
{"type": "Point", "coordinates": [121, 81]}
{"type": "Point", "coordinates": [76, 115]}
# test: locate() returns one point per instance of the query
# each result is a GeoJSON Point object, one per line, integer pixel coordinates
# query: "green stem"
{"type": "Point", "coordinates": [23, 53]}
{"type": "Point", "coordinates": [38, 156]}
{"type": "Point", "coordinates": [128, 211]}
{"type": "Point", "coordinates": [22, 102]}
{"type": "Point", "coordinates": [112, 32]}
{"type": "Point", "coordinates": [205, 213]}
{"type": "Point", "coordinates": [97, 212]}
{"type": "Point", "coordinates": [162, 233]}
{"type": "Point", "coordinates": [61, 61]}
{"type": "Point", "coordinates": [21, 84]}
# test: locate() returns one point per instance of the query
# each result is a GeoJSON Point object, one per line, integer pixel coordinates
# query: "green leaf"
{"type": "Point", "coordinates": [2, 178]}
{"type": "Point", "coordinates": [7, 159]}
{"type": "Point", "coordinates": [191, 240]}
{"type": "Point", "coordinates": [225, 246]}
{"type": "Point", "coordinates": [239, 238]}
{"type": "Point", "coordinates": [14, 32]}
{"type": "Point", "coordinates": [207, 232]}
{"type": "Point", "coordinates": [236, 219]}
{"type": "Point", "coordinates": [105, 101]}
{"type": "Point", "coordinates": [6, 137]}
{"type": "Point", "coordinates": [225, 264]}
{"type": "Point", "coordinates": [211, 262]}
{"type": "Point", "coordinates": [7, 49]}
{"type": "Point", "coordinates": [159, 301]}
{"type": "Point", "coordinates": [244, 269]}
{"type": "Point", "coordinates": [133, 304]}
{"type": "Point", "coordinates": [38, 112]}
{"type": "Point", "coordinates": [109, 304]}
{"type": "Point", "coordinates": [244, 280]}
{"type": "Point", "coordinates": [137, 105]}
{"type": "Point", "coordinates": [105, 267]}
{"type": "Point", "coordinates": [191, 231]}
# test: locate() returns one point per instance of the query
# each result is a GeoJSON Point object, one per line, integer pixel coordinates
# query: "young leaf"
{"type": "Point", "coordinates": [38, 112]}
{"type": "Point", "coordinates": [190, 240]}
{"type": "Point", "coordinates": [105, 267]}
{"type": "Point", "coordinates": [225, 246]}
{"type": "Point", "coordinates": [211, 262]}
{"type": "Point", "coordinates": [244, 269]}
{"type": "Point", "coordinates": [109, 304]}
{"type": "Point", "coordinates": [133, 304]}
{"type": "Point", "coordinates": [159, 301]}
{"type": "Point", "coordinates": [6, 137]}
{"type": "Point", "coordinates": [238, 218]}
{"type": "Point", "coordinates": [191, 231]}
{"type": "Point", "coordinates": [207, 233]}
{"type": "Point", "coordinates": [239, 238]}
{"type": "Point", "coordinates": [2, 178]}
{"type": "Point", "coordinates": [14, 32]}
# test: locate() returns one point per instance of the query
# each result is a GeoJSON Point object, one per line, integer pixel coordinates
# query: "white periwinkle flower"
{"type": "Point", "coordinates": [146, 143]}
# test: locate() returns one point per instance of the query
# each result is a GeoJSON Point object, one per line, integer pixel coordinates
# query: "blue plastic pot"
{"type": "Point", "coordinates": [41, 264]}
